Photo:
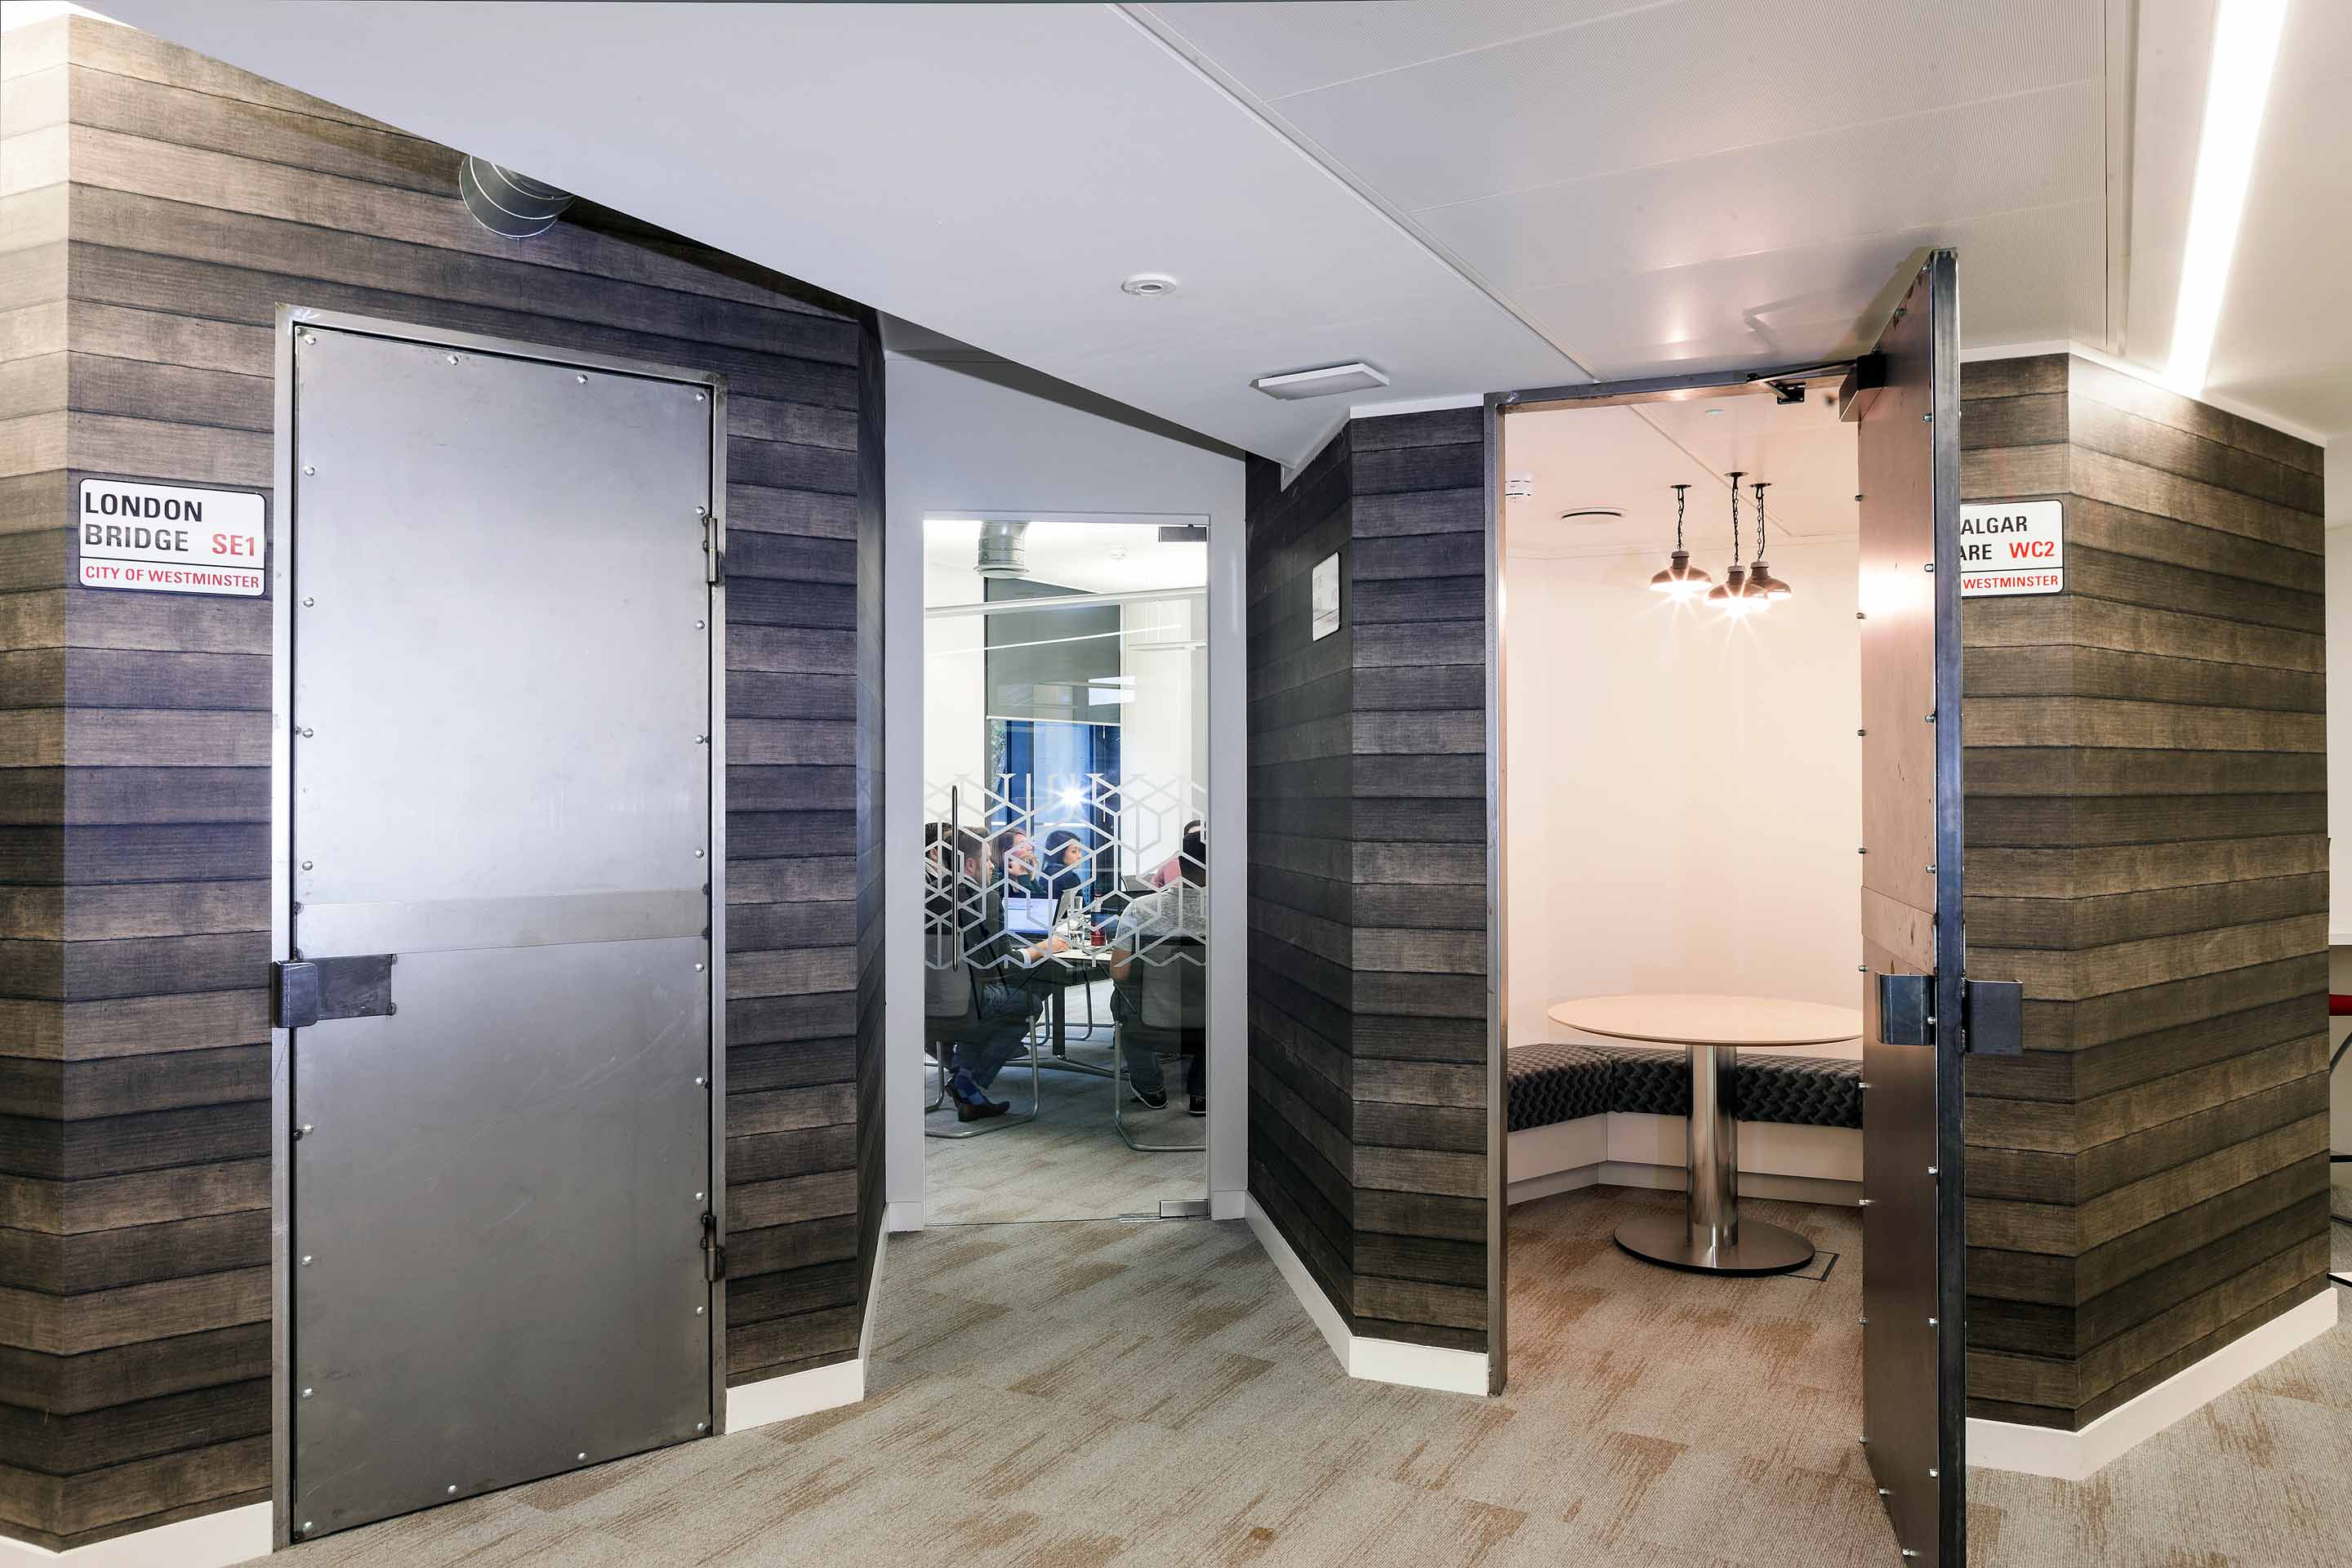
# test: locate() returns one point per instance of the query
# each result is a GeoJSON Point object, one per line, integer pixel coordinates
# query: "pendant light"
{"type": "Point", "coordinates": [1680, 580]}
{"type": "Point", "coordinates": [1736, 595]}
{"type": "Point", "coordinates": [1760, 577]}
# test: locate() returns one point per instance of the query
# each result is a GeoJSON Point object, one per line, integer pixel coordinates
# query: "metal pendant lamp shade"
{"type": "Point", "coordinates": [1761, 579]}
{"type": "Point", "coordinates": [1680, 580]}
{"type": "Point", "coordinates": [1739, 594]}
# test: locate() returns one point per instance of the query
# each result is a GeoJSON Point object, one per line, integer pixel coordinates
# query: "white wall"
{"type": "Point", "coordinates": [960, 444]}
{"type": "Point", "coordinates": [1685, 796]}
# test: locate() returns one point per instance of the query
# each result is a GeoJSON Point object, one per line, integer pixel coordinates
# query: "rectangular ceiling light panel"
{"type": "Point", "coordinates": [1353, 377]}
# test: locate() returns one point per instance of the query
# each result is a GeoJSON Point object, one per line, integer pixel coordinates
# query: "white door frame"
{"type": "Point", "coordinates": [902, 858]}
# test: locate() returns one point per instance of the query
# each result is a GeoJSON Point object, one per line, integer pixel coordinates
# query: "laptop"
{"type": "Point", "coordinates": [1029, 917]}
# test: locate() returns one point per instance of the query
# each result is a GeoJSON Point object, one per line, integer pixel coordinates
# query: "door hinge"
{"type": "Point", "coordinates": [714, 1254]}
{"type": "Point", "coordinates": [303, 994]}
{"type": "Point", "coordinates": [714, 549]}
{"type": "Point", "coordinates": [1992, 1017]}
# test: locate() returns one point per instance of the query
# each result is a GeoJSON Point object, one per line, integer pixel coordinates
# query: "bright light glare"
{"type": "Point", "coordinates": [2245, 50]}
{"type": "Point", "coordinates": [1069, 798]}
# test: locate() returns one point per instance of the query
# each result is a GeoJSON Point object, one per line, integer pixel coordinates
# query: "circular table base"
{"type": "Point", "coordinates": [1761, 1249]}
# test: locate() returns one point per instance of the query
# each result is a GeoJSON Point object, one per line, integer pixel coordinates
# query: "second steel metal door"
{"type": "Point", "coordinates": [1914, 1245]}
{"type": "Point", "coordinates": [500, 846]}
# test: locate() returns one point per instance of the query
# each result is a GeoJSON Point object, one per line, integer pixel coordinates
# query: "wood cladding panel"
{"type": "Point", "coordinates": [136, 312]}
{"type": "Point", "coordinates": [1368, 939]}
{"type": "Point", "coordinates": [2146, 816]}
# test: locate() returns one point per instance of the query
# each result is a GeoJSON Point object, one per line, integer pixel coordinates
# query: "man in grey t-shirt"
{"type": "Point", "coordinates": [1179, 910]}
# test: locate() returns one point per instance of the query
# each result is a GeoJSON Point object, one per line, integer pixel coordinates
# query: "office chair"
{"type": "Point", "coordinates": [950, 1005]}
{"type": "Point", "coordinates": [1168, 987]}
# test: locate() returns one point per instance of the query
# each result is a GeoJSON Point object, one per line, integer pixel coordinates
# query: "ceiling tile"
{"type": "Point", "coordinates": [1278, 49]}
{"type": "Point", "coordinates": [2030, 150]}
{"type": "Point", "coordinates": [1681, 82]}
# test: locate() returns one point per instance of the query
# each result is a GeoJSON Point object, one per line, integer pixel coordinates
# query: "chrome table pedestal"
{"type": "Point", "coordinates": [1709, 1238]}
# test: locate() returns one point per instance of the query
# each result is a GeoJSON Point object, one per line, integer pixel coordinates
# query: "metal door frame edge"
{"type": "Point", "coordinates": [289, 320]}
{"type": "Point", "coordinates": [1589, 394]}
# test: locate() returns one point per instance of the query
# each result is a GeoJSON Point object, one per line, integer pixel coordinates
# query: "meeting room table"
{"type": "Point", "coordinates": [1708, 1237]}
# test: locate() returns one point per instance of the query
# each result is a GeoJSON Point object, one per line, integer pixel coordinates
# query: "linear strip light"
{"type": "Point", "coordinates": [2245, 52]}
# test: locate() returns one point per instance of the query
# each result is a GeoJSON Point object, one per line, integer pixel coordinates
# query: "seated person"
{"type": "Point", "coordinates": [1171, 871]}
{"type": "Point", "coordinates": [1180, 909]}
{"type": "Point", "coordinates": [1016, 855]}
{"type": "Point", "coordinates": [1066, 869]}
{"type": "Point", "coordinates": [1009, 997]}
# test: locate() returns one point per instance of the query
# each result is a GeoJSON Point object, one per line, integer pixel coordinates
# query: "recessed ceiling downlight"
{"type": "Point", "coordinates": [1148, 285]}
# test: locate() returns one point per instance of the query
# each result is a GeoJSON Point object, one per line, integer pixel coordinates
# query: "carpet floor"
{"type": "Point", "coordinates": [1070, 1163]}
{"type": "Point", "coordinates": [1061, 1396]}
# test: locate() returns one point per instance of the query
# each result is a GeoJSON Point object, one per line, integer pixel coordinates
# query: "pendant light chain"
{"type": "Point", "coordinates": [1682, 498]}
{"type": "Point", "coordinates": [1737, 475]}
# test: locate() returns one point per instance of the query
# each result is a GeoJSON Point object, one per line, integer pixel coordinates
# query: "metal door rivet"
{"type": "Point", "coordinates": [307, 601]}
{"type": "Point", "coordinates": [303, 1130]}
{"type": "Point", "coordinates": [1927, 566]}
{"type": "Point", "coordinates": [1861, 1203]}
{"type": "Point", "coordinates": [1861, 849]}
{"type": "Point", "coordinates": [453, 1491]}
{"type": "Point", "coordinates": [702, 739]}
{"type": "Point", "coordinates": [1931, 1472]}
{"type": "Point", "coordinates": [306, 731]}
{"type": "Point", "coordinates": [1931, 1322]}
{"type": "Point", "coordinates": [698, 398]}
{"type": "Point", "coordinates": [702, 1425]}
{"type": "Point", "coordinates": [1884, 1492]}
{"type": "Point", "coordinates": [1865, 1323]}
{"type": "Point", "coordinates": [1857, 495]}
{"type": "Point", "coordinates": [698, 625]}
{"type": "Point", "coordinates": [698, 1197]}
{"type": "Point", "coordinates": [305, 1394]}
{"type": "Point", "coordinates": [1907, 1551]}
{"type": "Point", "coordinates": [697, 1083]}
{"type": "Point", "coordinates": [581, 379]}
{"type": "Point", "coordinates": [1929, 415]}
{"type": "Point", "coordinates": [582, 1455]}
{"type": "Point", "coordinates": [306, 1260]}
{"type": "Point", "coordinates": [1931, 1170]}
{"type": "Point", "coordinates": [1931, 718]}
{"type": "Point", "coordinates": [697, 969]}
{"type": "Point", "coordinates": [389, 1008]}
{"type": "Point", "coordinates": [1865, 1084]}
{"type": "Point", "coordinates": [309, 468]}
{"type": "Point", "coordinates": [698, 854]}
{"type": "Point", "coordinates": [306, 865]}
{"type": "Point", "coordinates": [697, 1311]}
{"type": "Point", "coordinates": [702, 511]}
{"type": "Point", "coordinates": [1861, 615]}
{"type": "Point", "coordinates": [453, 360]}
{"type": "Point", "coordinates": [310, 339]}
{"type": "Point", "coordinates": [1931, 867]}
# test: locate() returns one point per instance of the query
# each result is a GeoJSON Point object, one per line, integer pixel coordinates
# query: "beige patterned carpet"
{"type": "Point", "coordinates": [1069, 1394]}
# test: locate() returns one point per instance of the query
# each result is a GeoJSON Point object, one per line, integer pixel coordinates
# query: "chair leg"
{"type": "Point", "coordinates": [1118, 1104]}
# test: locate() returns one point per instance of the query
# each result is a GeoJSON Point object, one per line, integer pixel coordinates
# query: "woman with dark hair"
{"type": "Point", "coordinates": [1065, 863]}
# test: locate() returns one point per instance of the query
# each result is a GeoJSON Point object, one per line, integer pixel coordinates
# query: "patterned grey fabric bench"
{"type": "Point", "coordinates": [1552, 1083]}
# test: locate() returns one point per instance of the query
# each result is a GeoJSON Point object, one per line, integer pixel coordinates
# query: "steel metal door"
{"type": "Point", "coordinates": [1912, 1240]}
{"type": "Point", "coordinates": [496, 811]}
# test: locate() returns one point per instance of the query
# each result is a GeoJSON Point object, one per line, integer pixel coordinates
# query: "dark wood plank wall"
{"type": "Point", "coordinates": [135, 1279]}
{"type": "Point", "coordinates": [2147, 851]}
{"type": "Point", "coordinates": [1301, 871]}
{"type": "Point", "coordinates": [1417, 569]}
{"type": "Point", "coordinates": [1368, 918]}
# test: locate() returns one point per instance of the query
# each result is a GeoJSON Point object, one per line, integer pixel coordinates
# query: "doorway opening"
{"type": "Point", "coordinates": [1065, 791]}
{"type": "Point", "coordinates": [1692, 743]}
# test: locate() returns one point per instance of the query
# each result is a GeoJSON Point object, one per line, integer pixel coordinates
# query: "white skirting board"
{"type": "Point", "coordinates": [213, 1540]}
{"type": "Point", "coordinates": [1373, 1360]}
{"type": "Point", "coordinates": [2078, 1455]}
{"type": "Point", "coordinates": [799, 1393]}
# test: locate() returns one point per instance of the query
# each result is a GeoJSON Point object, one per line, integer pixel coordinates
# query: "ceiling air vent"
{"type": "Point", "coordinates": [1353, 377]}
{"type": "Point", "coordinates": [1003, 550]}
{"type": "Point", "coordinates": [508, 203]}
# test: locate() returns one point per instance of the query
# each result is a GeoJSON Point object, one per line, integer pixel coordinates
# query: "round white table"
{"type": "Point", "coordinates": [1709, 1238]}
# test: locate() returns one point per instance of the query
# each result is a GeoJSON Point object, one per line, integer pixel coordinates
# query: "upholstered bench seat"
{"type": "Point", "coordinates": [1551, 1083]}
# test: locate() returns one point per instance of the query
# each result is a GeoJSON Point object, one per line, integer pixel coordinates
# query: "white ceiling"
{"type": "Point", "coordinates": [1471, 195]}
{"type": "Point", "coordinates": [1629, 457]}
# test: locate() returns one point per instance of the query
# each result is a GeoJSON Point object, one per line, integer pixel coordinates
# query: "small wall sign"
{"type": "Point", "coordinates": [169, 539]}
{"type": "Point", "coordinates": [2012, 547]}
{"type": "Point", "coordinates": [1326, 597]}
